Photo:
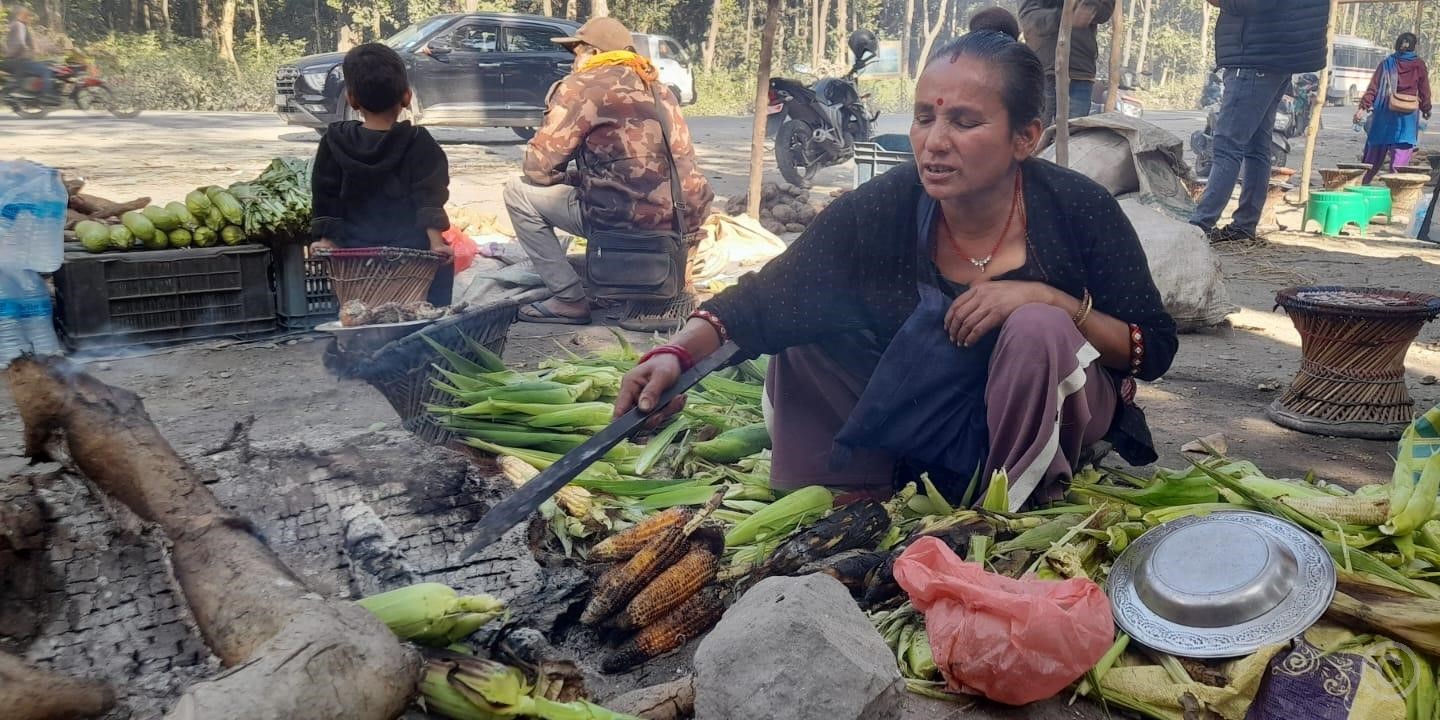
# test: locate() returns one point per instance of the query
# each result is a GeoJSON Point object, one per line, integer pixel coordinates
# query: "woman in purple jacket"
{"type": "Point", "coordinates": [1395, 130]}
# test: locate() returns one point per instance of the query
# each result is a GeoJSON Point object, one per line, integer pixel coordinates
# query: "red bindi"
{"type": "Point", "coordinates": [939, 102]}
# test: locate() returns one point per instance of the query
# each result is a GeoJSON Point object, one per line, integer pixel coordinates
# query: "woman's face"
{"type": "Point", "coordinates": [961, 134]}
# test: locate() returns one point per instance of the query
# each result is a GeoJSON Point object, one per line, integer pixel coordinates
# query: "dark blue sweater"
{"type": "Point", "coordinates": [1282, 35]}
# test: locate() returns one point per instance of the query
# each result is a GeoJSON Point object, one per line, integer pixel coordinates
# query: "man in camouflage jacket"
{"type": "Point", "coordinates": [601, 118]}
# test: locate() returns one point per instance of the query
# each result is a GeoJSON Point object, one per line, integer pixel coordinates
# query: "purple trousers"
{"type": "Point", "coordinates": [1046, 399]}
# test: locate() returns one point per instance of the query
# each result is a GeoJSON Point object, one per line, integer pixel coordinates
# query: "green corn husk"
{"type": "Point", "coordinates": [1419, 498]}
{"type": "Point", "coordinates": [487, 358]}
{"type": "Point", "coordinates": [578, 414]}
{"type": "Point", "coordinates": [1160, 516]}
{"type": "Point", "coordinates": [598, 470]}
{"type": "Point", "coordinates": [1166, 493]}
{"type": "Point", "coordinates": [458, 362]}
{"type": "Point", "coordinates": [732, 388]}
{"type": "Point", "coordinates": [502, 691]}
{"type": "Point", "coordinates": [1040, 538]}
{"type": "Point", "coordinates": [432, 613]}
{"type": "Point", "coordinates": [997, 494]}
{"type": "Point", "coordinates": [690, 495]}
{"type": "Point", "coordinates": [782, 516]}
{"type": "Point", "coordinates": [1355, 560]}
{"type": "Point", "coordinates": [732, 445]}
{"type": "Point", "coordinates": [659, 442]}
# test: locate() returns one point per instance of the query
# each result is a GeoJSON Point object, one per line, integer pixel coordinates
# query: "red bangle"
{"type": "Point", "coordinates": [714, 321]}
{"type": "Point", "coordinates": [1137, 349]}
{"type": "Point", "coordinates": [679, 353]}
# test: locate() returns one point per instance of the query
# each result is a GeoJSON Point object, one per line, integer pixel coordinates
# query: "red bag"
{"type": "Point", "coordinates": [1013, 641]}
{"type": "Point", "coordinates": [464, 248]}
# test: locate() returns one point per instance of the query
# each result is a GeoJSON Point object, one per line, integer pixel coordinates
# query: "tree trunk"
{"type": "Point", "coordinates": [842, 25]}
{"type": "Point", "coordinates": [762, 105]}
{"type": "Point", "coordinates": [1312, 133]}
{"type": "Point", "coordinates": [319, 42]}
{"type": "Point", "coordinates": [599, 8]}
{"type": "Point", "coordinates": [1062, 84]}
{"type": "Point", "coordinates": [907, 34]}
{"type": "Point", "coordinates": [932, 31]}
{"type": "Point", "coordinates": [54, 15]}
{"type": "Point", "coordinates": [1204, 31]}
{"type": "Point", "coordinates": [165, 28]}
{"type": "Point", "coordinates": [570, 9]}
{"type": "Point", "coordinates": [1118, 24]}
{"type": "Point", "coordinates": [203, 28]}
{"type": "Point", "coordinates": [259, 32]}
{"type": "Point", "coordinates": [822, 35]}
{"type": "Point", "coordinates": [1141, 57]}
{"type": "Point", "coordinates": [225, 34]}
{"type": "Point", "coordinates": [1125, 54]}
{"type": "Point", "coordinates": [749, 31]}
{"type": "Point", "coordinates": [708, 53]}
{"type": "Point", "coordinates": [548, 8]}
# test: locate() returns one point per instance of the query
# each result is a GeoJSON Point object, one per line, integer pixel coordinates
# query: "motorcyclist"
{"type": "Point", "coordinates": [20, 53]}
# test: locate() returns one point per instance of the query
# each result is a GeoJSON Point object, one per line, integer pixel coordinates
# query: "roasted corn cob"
{"type": "Point", "coordinates": [853, 568]}
{"type": "Point", "coordinates": [679, 626]}
{"type": "Point", "coordinates": [671, 588]}
{"type": "Point", "coordinates": [624, 544]}
{"type": "Point", "coordinates": [858, 525]}
{"type": "Point", "coordinates": [618, 586]}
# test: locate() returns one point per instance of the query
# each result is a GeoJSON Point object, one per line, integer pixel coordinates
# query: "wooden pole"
{"type": "Point", "coordinates": [1062, 85]}
{"type": "Point", "coordinates": [762, 104]}
{"type": "Point", "coordinates": [1117, 51]}
{"type": "Point", "coordinates": [1419, 16]}
{"type": "Point", "coordinates": [1312, 135]}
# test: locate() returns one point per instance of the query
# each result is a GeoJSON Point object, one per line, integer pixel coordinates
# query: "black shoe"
{"type": "Point", "coordinates": [1230, 233]}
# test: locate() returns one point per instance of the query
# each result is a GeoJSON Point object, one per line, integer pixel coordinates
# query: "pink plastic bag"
{"type": "Point", "coordinates": [1013, 641]}
{"type": "Point", "coordinates": [464, 248]}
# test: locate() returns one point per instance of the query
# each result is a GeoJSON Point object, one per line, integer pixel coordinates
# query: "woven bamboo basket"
{"type": "Point", "coordinates": [1353, 342]}
{"type": "Point", "coordinates": [379, 275]}
{"type": "Point", "coordinates": [1336, 178]}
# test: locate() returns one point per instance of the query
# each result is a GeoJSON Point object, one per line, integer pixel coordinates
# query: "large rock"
{"type": "Point", "coordinates": [796, 648]}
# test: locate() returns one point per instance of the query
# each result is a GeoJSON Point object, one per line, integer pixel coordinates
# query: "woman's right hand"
{"type": "Point", "coordinates": [1359, 116]}
{"type": "Point", "coordinates": [643, 386]}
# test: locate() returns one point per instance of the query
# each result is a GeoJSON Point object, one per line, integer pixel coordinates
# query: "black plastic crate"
{"type": "Point", "coordinates": [164, 296]}
{"type": "Point", "coordinates": [303, 298]}
{"type": "Point", "coordinates": [878, 157]}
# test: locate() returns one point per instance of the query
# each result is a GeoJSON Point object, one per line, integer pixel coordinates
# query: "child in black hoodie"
{"type": "Point", "coordinates": [381, 182]}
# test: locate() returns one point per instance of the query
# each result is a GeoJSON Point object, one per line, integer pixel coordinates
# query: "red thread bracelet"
{"type": "Point", "coordinates": [714, 321]}
{"type": "Point", "coordinates": [679, 353]}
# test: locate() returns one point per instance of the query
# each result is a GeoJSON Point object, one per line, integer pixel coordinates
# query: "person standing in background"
{"type": "Point", "coordinates": [1259, 44]}
{"type": "Point", "coordinates": [1040, 21]}
{"type": "Point", "coordinates": [1399, 95]}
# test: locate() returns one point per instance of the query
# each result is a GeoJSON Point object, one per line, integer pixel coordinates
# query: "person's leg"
{"type": "Point", "coordinates": [1375, 158]}
{"type": "Point", "coordinates": [1247, 94]}
{"type": "Point", "coordinates": [1255, 176]}
{"type": "Point", "coordinates": [1426, 227]}
{"type": "Point", "coordinates": [1081, 92]}
{"type": "Point", "coordinates": [1046, 400]}
{"type": "Point", "coordinates": [810, 396]}
{"type": "Point", "coordinates": [1048, 117]}
{"type": "Point", "coordinates": [1402, 158]}
{"type": "Point", "coordinates": [536, 212]}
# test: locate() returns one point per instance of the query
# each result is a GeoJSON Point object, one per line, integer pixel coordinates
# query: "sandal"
{"type": "Point", "coordinates": [538, 313]}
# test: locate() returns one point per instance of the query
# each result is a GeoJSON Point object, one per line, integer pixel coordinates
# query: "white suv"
{"type": "Point", "coordinates": [671, 61]}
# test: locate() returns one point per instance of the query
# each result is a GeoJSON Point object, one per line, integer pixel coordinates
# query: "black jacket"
{"type": "Point", "coordinates": [372, 188]}
{"type": "Point", "coordinates": [1040, 22]}
{"type": "Point", "coordinates": [1282, 35]}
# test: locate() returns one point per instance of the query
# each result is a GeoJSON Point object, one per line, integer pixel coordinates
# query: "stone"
{"type": "Point", "coordinates": [796, 648]}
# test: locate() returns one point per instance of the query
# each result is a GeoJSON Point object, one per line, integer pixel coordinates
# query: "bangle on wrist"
{"type": "Point", "coordinates": [714, 322]}
{"type": "Point", "coordinates": [1082, 313]}
{"type": "Point", "coordinates": [679, 353]}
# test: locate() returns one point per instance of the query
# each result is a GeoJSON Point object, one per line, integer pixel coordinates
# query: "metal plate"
{"type": "Point", "coordinates": [1312, 586]}
{"type": "Point", "coordinates": [368, 338]}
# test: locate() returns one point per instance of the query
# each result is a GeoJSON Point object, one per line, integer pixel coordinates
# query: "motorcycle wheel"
{"type": "Point", "coordinates": [524, 133]}
{"type": "Point", "coordinates": [101, 97]}
{"type": "Point", "coordinates": [792, 144]}
{"type": "Point", "coordinates": [29, 109]}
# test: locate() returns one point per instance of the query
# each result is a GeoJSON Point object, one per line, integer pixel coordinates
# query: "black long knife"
{"type": "Point", "coordinates": [519, 505]}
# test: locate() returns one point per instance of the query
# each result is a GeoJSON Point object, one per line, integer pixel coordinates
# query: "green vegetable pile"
{"type": "Point", "coordinates": [274, 205]}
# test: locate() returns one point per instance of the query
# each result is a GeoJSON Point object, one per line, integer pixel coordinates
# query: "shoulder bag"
{"type": "Point", "coordinates": [641, 264]}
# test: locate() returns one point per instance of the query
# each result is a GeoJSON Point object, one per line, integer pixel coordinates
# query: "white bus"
{"type": "Point", "coordinates": [1352, 62]}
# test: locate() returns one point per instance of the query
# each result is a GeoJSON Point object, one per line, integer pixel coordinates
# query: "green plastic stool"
{"type": "Point", "coordinates": [1377, 199]}
{"type": "Point", "coordinates": [1335, 210]}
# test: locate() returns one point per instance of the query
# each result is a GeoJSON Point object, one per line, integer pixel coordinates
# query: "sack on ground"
{"type": "Point", "coordinates": [1184, 266]}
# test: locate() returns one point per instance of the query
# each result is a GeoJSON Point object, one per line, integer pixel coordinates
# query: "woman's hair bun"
{"type": "Point", "coordinates": [996, 19]}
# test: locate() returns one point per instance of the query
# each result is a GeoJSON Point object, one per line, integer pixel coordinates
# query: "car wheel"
{"type": "Point", "coordinates": [524, 133]}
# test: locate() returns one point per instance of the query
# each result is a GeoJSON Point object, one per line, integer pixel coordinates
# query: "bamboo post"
{"type": "Point", "coordinates": [762, 104]}
{"type": "Point", "coordinates": [1312, 135]}
{"type": "Point", "coordinates": [1117, 51]}
{"type": "Point", "coordinates": [1419, 16]}
{"type": "Point", "coordinates": [1062, 85]}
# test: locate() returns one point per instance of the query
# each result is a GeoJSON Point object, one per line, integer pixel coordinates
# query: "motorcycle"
{"type": "Point", "coordinates": [1202, 142]}
{"type": "Point", "coordinates": [74, 81]}
{"type": "Point", "coordinates": [1129, 105]}
{"type": "Point", "coordinates": [819, 124]}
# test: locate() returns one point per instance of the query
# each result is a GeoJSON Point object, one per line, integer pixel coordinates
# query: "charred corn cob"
{"type": "Point", "coordinates": [618, 585]}
{"type": "Point", "coordinates": [860, 524]}
{"type": "Point", "coordinates": [574, 500]}
{"type": "Point", "coordinates": [671, 588]}
{"type": "Point", "coordinates": [679, 626]}
{"type": "Point", "coordinates": [1346, 510]}
{"type": "Point", "coordinates": [432, 613]}
{"type": "Point", "coordinates": [854, 568]}
{"type": "Point", "coordinates": [623, 545]}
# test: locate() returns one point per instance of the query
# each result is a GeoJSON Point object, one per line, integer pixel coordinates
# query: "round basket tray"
{"type": "Point", "coordinates": [1351, 381]}
{"type": "Point", "coordinates": [403, 369]}
{"type": "Point", "coordinates": [379, 275]}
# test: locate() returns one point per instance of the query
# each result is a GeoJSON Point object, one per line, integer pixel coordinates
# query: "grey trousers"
{"type": "Point", "coordinates": [1046, 399]}
{"type": "Point", "coordinates": [537, 212]}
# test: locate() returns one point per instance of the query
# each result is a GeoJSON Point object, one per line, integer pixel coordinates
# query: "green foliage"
{"type": "Point", "coordinates": [185, 73]}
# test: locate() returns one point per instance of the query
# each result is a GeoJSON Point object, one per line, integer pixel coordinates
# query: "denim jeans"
{"type": "Point", "coordinates": [1242, 142]}
{"type": "Point", "coordinates": [1080, 94]}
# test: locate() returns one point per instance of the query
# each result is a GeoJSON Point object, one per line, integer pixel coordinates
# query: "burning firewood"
{"type": "Point", "coordinates": [29, 693]}
{"type": "Point", "coordinates": [281, 639]}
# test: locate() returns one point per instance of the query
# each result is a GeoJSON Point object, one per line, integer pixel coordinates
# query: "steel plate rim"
{"type": "Point", "coordinates": [1298, 611]}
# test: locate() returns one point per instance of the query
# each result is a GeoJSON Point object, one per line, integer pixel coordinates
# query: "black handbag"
{"type": "Point", "coordinates": [641, 264]}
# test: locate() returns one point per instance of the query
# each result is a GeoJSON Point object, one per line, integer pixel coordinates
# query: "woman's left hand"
{"type": "Point", "coordinates": [988, 305]}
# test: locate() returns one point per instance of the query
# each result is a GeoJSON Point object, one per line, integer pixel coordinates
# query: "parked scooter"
{"type": "Point", "coordinates": [1202, 142]}
{"type": "Point", "coordinates": [821, 123]}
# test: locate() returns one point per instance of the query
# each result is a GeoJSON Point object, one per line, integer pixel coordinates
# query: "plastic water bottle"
{"type": "Point", "coordinates": [1418, 222]}
{"type": "Point", "coordinates": [32, 217]}
{"type": "Point", "coordinates": [35, 315]}
{"type": "Point", "coordinates": [12, 340]}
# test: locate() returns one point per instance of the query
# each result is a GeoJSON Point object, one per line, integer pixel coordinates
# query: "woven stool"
{"type": "Point", "coordinates": [1362, 167]}
{"type": "Point", "coordinates": [1353, 343]}
{"type": "Point", "coordinates": [1273, 200]}
{"type": "Point", "coordinates": [1335, 210]}
{"type": "Point", "coordinates": [1336, 178]}
{"type": "Point", "coordinates": [1405, 192]}
{"type": "Point", "coordinates": [1377, 199]}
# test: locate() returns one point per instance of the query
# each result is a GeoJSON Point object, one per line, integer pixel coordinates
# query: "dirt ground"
{"type": "Point", "coordinates": [1221, 380]}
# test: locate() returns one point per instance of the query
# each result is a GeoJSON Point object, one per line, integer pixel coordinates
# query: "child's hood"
{"type": "Point", "coordinates": [364, 152]}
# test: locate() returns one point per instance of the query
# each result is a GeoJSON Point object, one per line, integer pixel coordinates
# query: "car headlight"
{"type": "Point", "coordinates": [314, 80]}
